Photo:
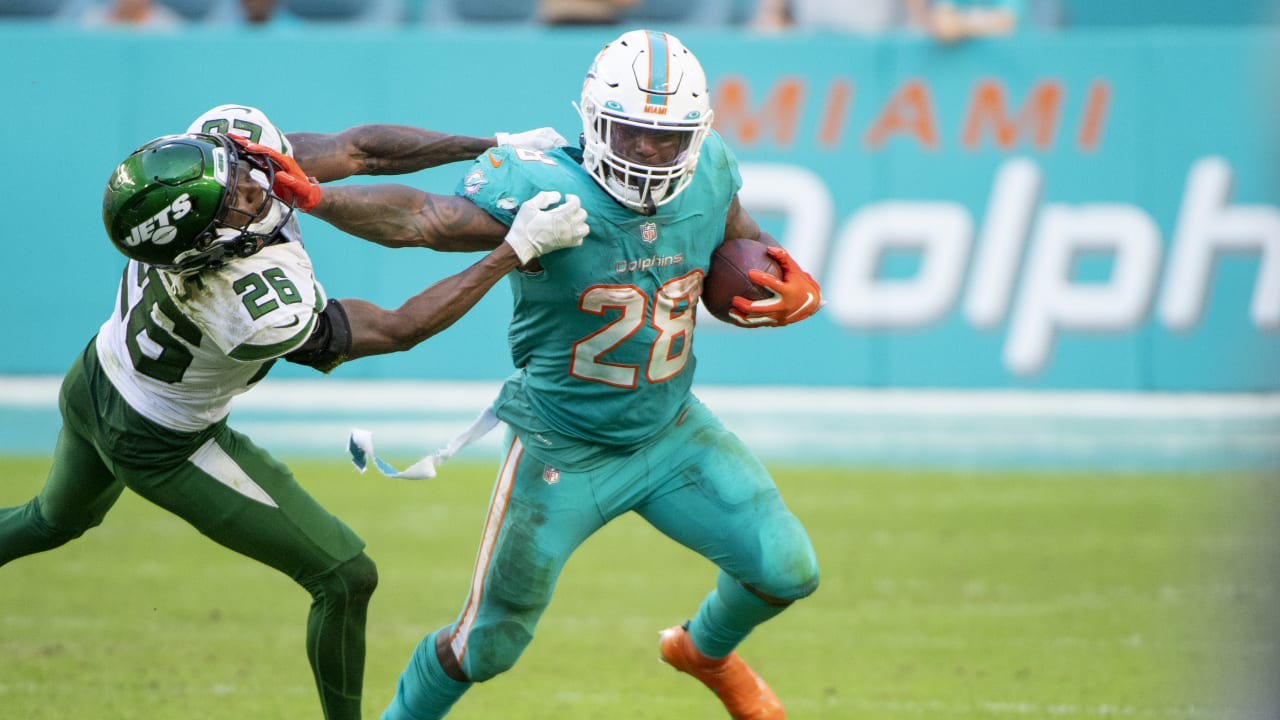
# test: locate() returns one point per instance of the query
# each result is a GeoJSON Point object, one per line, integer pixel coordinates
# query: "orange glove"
{"type": "Point", "coordinates": [796, 295]}
{"type": "Point", "coordinates": [291, 184]}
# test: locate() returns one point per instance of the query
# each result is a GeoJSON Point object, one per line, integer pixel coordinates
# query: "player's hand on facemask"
{"type": "Point", "coordinates": [291, 184]}
{"type": "Point", "coordinates": [543, 138]}
{"type": "Point", "coordinates": [796, 295]}
{"type": "Point", "coordinates": [538, 230]}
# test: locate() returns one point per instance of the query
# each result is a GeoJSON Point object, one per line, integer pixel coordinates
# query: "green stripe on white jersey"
{"type": "Point", "coordinates": [179, 349]}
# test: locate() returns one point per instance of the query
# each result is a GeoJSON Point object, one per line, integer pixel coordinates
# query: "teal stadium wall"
{"type": "Point", "coordinates": [1086, 221]}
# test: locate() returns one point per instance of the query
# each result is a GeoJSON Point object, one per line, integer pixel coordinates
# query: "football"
{"type": "Point", "coordinates": [727, 277]}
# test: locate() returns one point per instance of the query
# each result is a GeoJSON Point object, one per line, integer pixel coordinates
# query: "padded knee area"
{"type": "Point", "coordinates": [64, 529]}
{"type": "Point", "coordinates": [356, 579]}
{"type": "Point", "coordinates": [25, 530]}
{"type": "Point", "coordinates": [493, 648]}
{"type": "Point", "coordinates": [44, 532]}
{"type": "Point", "coordinates": [789, 567]}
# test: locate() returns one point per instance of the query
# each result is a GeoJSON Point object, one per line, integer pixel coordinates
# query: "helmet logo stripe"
{"type": "Point", "coordinates": [659, 73]}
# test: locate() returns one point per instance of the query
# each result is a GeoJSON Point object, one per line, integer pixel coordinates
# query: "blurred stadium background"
{"type": "Point", "coordinates": [1053, 252]}
{"type": "Point", "coordinates": [1054, 249]}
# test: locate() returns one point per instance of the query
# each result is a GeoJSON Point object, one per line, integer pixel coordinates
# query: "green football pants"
{"type": "Point", "coordinates": [226, 487]}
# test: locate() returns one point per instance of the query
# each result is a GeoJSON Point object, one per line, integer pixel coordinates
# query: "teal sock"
{"type": "Point", "coordinates": [424, 692]}
{"type": "Point", "coordinates": [727, 616]}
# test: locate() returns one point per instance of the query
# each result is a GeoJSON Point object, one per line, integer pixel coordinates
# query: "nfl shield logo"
{"type": "Point", "coordinates": [550, 475]}
{"type": "Point", "coordinates": [649, 232]}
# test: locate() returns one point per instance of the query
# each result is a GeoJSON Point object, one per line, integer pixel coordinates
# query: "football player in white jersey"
{"type": "Point", "coordinates": [217, 288]}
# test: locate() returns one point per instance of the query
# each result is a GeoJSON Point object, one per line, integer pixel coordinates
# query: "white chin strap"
{"type": "Point", "coordinates": [274, 215]}
{"type": "Point", "coordinates": [271, 220]}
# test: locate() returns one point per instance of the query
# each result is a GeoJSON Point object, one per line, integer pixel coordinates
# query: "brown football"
{"type": "Point", "coordinates": [727, 277]}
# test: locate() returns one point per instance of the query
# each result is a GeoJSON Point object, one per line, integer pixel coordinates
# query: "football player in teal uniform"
{"type": "Point", "coordinates": [217, 288]}
{"type": "Point", "coordinates": [600, 417]}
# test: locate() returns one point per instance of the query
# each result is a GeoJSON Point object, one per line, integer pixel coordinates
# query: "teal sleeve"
{"type": "Point", "coordinates": [497, 184]}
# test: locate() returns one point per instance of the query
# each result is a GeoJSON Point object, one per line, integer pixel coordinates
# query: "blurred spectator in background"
{"type": "Point", "coordinates": [583, 12]}
{"type": "Point", "coordinates": [951, 21]}
{"type": "Point", "coordinates": [947, 21]}
{"type": "Point", "coordinates": [136, 13]}
{"type": "Point", "coordinates": [868, 17]}
{"type": "Point", "coordinates": [773, 15]}
{"type": "Point", "coordinates": [265, 13]}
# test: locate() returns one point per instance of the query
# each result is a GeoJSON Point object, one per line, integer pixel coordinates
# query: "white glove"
{"type": "Point", "coordinates": [543, 138]}
{"type": "Point", "coordinates": [537, 230]}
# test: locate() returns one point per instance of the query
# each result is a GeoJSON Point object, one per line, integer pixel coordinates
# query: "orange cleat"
{"type": "Point", "coordinates": [743, 693]}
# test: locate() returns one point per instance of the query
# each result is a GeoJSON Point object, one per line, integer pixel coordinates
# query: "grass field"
{"type": "Point", "coordinates": [944, 596]}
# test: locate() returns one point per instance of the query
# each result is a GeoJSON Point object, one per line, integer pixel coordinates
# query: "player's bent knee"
{"type": "Point", "coordinates": [359, 575]}
{"type": "Point", "coordinates": [784, 589]}
{"type": "Point", "coordinates": [63, 527]}
{"type": "Point", "coordinates": [493, 649]}
{"type": "Point", "coordinates": [803, 579]}
{"type": "Point", "coordinates": [790, 567]}
{"type": "Point", "coordinates": [351, 582]}
{"type": "Point", "coordinates": [29, 529]}
{"type": "Point", "coordinates": [791, 592]}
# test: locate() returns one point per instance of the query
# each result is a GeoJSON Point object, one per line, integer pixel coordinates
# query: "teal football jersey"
{"type": "Point", "coordinates": [602, 336]}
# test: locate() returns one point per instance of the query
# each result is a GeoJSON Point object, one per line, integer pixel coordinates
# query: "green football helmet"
{"type": "Point", "coordinates": [187, 203]}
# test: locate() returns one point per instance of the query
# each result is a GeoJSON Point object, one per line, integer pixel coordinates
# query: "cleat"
{"type": "Point", "coordinates": [743, 693]}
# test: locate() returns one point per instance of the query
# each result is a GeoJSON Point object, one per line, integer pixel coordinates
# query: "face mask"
{"type": "Point", "coordinates": [272, 220]}
{"type": "Point", "coordinates": [243, 243]}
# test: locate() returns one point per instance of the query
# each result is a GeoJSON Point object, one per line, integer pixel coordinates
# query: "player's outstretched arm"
{"type": "Point", "coordinates": [377, 331]}
{"type": "Point", "coordinates": [400, 216]}
{"type": "Point", "coordinates": [380, 149]}
{"type": "Point", "coordinates": [538, 229]}
{"type": "Point", "coordinates": [353, 328]}
{"type": "Point", "coordinates": [388, 214]}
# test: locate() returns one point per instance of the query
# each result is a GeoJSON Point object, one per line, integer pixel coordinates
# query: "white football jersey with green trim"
{"type": "Point", "coordinates": [179, 349]}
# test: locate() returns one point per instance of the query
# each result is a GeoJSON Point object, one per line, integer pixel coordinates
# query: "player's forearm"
{"type": "Point", "coordinates": [396, 149]}
{"type": "Point", "coordinates": [400, 216]}
{"type": "Point", "coordinates": [441, 304]}
{"type": "Point", "coordinates": [384, 214]}
{"type": "Point", "coordinates": [376, 331]}
{"type": "Point", "coordinates": [379, 149]}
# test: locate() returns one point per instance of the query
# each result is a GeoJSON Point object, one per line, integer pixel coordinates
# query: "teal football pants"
{"type": "Point", "coordinates": [698, 484]}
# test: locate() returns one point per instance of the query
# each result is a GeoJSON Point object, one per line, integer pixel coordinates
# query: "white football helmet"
{"type": "Point", "coordinates": [645, 112]}
{"type": "Point", "coordinates": [252, 124]}
{"type": "Point", "coordinates": [245, 121]}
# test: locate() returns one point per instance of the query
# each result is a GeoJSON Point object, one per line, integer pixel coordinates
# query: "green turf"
{"type": "Point", "coordinates": [943, 596]}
